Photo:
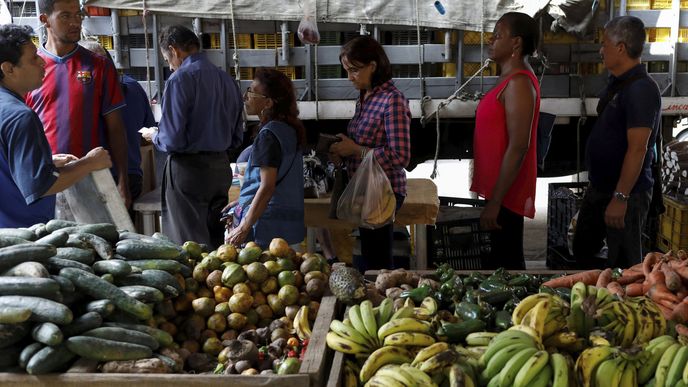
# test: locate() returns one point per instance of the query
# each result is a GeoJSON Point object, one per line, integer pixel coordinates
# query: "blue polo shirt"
{"type": "Point", "coordinates": [136, 115]}
{"type": "Point", "coordinates": [638, 104]}
{"type": "Point", "coordinates": [26, 165]}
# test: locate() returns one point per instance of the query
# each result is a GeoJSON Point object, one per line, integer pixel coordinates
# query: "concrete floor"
{"type": "Point", "coordinates": [453, 180]}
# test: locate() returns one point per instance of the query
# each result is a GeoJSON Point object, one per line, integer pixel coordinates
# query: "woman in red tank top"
{"type": "Point", "coordinates": [505, 163]}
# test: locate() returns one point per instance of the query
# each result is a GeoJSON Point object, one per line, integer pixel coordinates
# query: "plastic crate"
{"type": "Point", "coordinates": [330, 72]}
{"type": "Point", "coordinates": [215, 43]}
{"type": "Point", "coordinates": [658, 34]}
{"type": "Point", "coordinates": [97, 11]}
{"type": "Point", "coordinates": [243, 41]}
{"type": "Point", "coordinates": [661, 4]}
{"type": "Point", "coordinates": [106, 42]}
{"type": "Point", "coordinates": [246, 73]}
{"type": "Point", "coordinates": [564, 200]}
{"type": "Point", "coordinates": [473, 37]}
{"type": "Point", "coordinates": [289, 71]}
{"type": "Point", "coordinates": [683, 35]}
{"type": "Point", "coordinates": [471, 68]}
{"type": "Point", "coordinates": [456, 237]}
{"type": "Point", "coordinates": [448, 69]}
{"type": "Point", "coordinates": [634, 4]}
{"type": "Point", "coordinates": [673, 226]}
{"type": "Point", "coordinates": [138, 40]}
{"type": "Point", "coordinates": [330, 38]}
{"type": "Point", "coordinates": [411, 37]}
{"type": "Point", "coordinates": [267, 41]}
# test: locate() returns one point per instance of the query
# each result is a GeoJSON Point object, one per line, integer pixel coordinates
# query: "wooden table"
{"type": "Point", "coordinates": [419, 209]}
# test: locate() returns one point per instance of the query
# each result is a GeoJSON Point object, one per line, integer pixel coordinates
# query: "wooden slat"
{"type": "Point", "coordinates": [152, 380]}
{"type": "Point", "coordinates": [336, 371]}
{"type": "Point", "coordinates": [318, 354]}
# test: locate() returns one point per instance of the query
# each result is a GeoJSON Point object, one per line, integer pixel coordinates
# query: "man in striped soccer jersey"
{"type": "Point", "coordinates": [80, 98]}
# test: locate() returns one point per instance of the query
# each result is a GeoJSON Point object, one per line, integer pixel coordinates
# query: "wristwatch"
{"type": "Point", "coordinates": [620, 196]}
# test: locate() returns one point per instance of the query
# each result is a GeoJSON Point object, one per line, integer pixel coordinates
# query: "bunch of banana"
{"type": "Point", "coordinates": [406, 331]}
{"type": "Point", "coordinates": [633, 321]}
{"type": "Point", "coordinates": [616, 372]}
{"type": "Point", "coordinates": [578, 321]}
{"type": "Point", "coordinates": [504, 347]}
{"type": "Point", "coordinates": [565, 340]}
{"type": "Point", "coordinates": [644, 307]}
{"type": "Point", "coordinates": [655, 349]}
{"type": "Point", "coordinates": [669, 360]}
{"type": "Point", "coordinates": [383, 356]}
{"type": "Point", "coordinates": [301, 324]}
{"type": "Point", "coordinates": [590, 359]}
{"type": "Point", "coordinates": [357, 334]}
{"type": "Point", "coordinates": [400, 375]}
{"type": "Point", "coordinates": [351, 371]}
{"type": "Point", "coordinates": [545, 313]}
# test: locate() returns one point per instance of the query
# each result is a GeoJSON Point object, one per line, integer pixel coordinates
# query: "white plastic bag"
{"type": "Point", "coordinates": [308, 28]}
{"type": "Point", "coordinates": [368, 199]}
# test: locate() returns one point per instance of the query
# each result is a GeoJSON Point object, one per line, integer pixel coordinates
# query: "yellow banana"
{"type": "Point", "coordinates": [514, 365]}
{"type": "Point", "coordinates": [540, 312]}
{"type": "Point", "coordinates": [341, 344]}
{"type": "Point", "coordinates": [527, 304]}
{"type": "Point", "coordinates": [456, 376]}
{"type": "Point", "coordinates": [409, 339]}
{"type": "Point", "coordinates": [531, 368]}
{"type": "Point", "coordinates": [530, 331]}
{"type": "Point", "coordinates": [553, 326]}
{"type": "Point", "coordinates": [430, 304]}
{"type": "Point", "coordinates": [404, 311]}
{"type": "Point", "coordinates": [422, 313]}
{"type": "Point", "coordinates": [431, 350]}
{"type": "Point", "coordinates": [368, 317]}
{"type": "Point", "coordinates": [301, 324]}
{"type": "Point", "coordinates": [421, 377]}
{"type": "Point", "coordinates": [406, 324]}
{"type": "Point", "coordinates": [439, 361]}
{"type": "Point", "coordinates": [589, 359]}
{"type": "Point", "coordinates": [560, 369]}
{"type": "Point", "coordinates": [350, 377]}
{"type": "Point", "coordinates": [395, 373]}
{"type": "Point", "coordinates": [349, 332]}
{"type": "Point", "coordinates": [383, 381]}
{"type": "Point", "coordinates": [382, 356]}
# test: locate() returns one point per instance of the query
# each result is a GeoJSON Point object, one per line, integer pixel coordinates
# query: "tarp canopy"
{"type": "Point", "coordinates": [480, 15]}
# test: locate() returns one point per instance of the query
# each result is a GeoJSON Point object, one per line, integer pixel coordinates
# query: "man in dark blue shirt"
{"type": "Point", "coordinates": [619, 152]}
{"type": "Point", "coordinates": [30, 175]}
{"type": "Point", "coordinates": [201, 120]}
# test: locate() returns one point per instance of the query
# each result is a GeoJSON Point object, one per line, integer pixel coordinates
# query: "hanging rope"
{"type": "Point", "coordinates": [144, 18]}
{"type": "Point", "coordinates": [444, 104]}
{"type": "Point", "coordinates": [317, 101]}
{"type": "Point", "coordinates": [421, 80]}
{"type": "Point", "coordinates": [235, 55]}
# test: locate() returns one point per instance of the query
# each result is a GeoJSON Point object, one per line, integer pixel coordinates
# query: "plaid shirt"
{"type": "Point", "coordinates": [382, 122]}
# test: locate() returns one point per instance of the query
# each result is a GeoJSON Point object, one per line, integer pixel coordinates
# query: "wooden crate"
{"type": "Point", "coordinates": [313, 371]}
{"type": "Point", "coordinates": [267, 41]}
{"type": "Point", "coordinates": [673, 226]}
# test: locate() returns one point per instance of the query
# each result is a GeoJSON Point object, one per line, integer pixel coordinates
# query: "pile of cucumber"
{"type": "Point", "coordinates": [85, 291]}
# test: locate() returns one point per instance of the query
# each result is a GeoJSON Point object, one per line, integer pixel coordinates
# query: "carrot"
{"type": "Point", "coordinates": [681, 329]}
{"type": "Point", "coordinates": [649, 262]}
{"type": "Point", "coordinates": [638, 267]}
{"type": "Point", "coordinates": [682, 293]}
{"type": "Point", "coordinates": [666, 312]}
{"type": "Point", "coordinates": [588, 277]}
{"type": "Point", "coordinates": [660, 294]}
{"type": "Point", "coordinates": [671, 278]}
{"type": "Point", "coordinates": [680, 313]}
{"type": "Point", "coordinates": [681, 268]}
{"type": "Point", "coordinates": [634, 289]}
{"type": "Point", "coordinates": [616, 288]}
{"type": "Point", "coordinates": [629, 277]}
{"type": "Point", "coordinates": [604, 279]}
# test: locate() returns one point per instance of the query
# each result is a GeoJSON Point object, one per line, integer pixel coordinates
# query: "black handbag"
{"type": "Point", "coordinates": [341, 179]}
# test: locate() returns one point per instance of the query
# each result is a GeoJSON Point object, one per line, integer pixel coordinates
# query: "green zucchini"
{"type": "Point", "coordinates": [28, 352]}
{"type": "Point", "coordinates": [28, 269]}
{"type": "Point", "coordinates": [58, 224]}
{"type": "Point", "coordinates": [106, 350]}
{"type": "Point", "coordinates": [116, 267]}
{"type": "Point", "coordinates": [103, 307]}
{"type": "Point", "coordinates": [106, 231]}
{"type": "Point", "coordinates": [13, 333]}
{"type": "Point", "coordinates": [83, 323]}
{"type": "Point", "coordinates": [162, 337]}
{"type": "Point", "coordinates": [167, 265]}
{"type": "Point", "coordinates": [66, 286]}
{"type": "Point", "coordinates": [57, 238]}
{"type": "Point", "coordinates": [43, 310]}
{"type": "Point", "coordinates": [14, 315]}
{"type": "Point", "coordinates": [19, 233]}
{"type": "Point", "coordinates": [47, 333]}
{"type": "Point", "coordinates": [140, 249]}
{"type": "Point", "coordinates": [13, 255]}
{"type": "Point", "coordinates": [84, 256]}
{"type": "Point", "coordinates": [28, 286]}
{"type": "Point", "coordinates": [56, 264]}
{"type": "Point", "coordinates": [131, 235]}
{"type": "Point", "coordinates": [124, 335]}
{"type": "Point", "coordinates": [143, 293]}
{"type": "Point", "coordinates": [50, 359]}
{"type": "Point", "coordinates": [11, 241]}
{"type": "Point", "coordinates": [98, 288]}
{"type": "Point", "coordinates": [101, 246]}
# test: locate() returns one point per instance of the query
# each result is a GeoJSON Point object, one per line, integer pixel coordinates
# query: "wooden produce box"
{"type": "Point", "coordinates": [313, 371]}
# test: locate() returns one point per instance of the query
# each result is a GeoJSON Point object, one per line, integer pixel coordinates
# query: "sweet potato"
{"type": "Point", "coordinates": [143, 366]}
{"type": "Point", "coordinates": [629, 277]}
{"type": "Point", "coordinates": [615, 288]}
{"type": "Point", "coordinates": [634, 289]}
{"type": "Point", "coordinates": [604, 279]}
{"type": "Point", "coordinates": [588, 277]}
{"type": "Point", "coordinates": [671, 278]}
{"type": "Point", "coordinates": [680, 312]}
{"type": "Point", "coordinates": [649, 262]}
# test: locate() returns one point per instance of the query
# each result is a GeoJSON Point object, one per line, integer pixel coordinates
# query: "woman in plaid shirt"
{"type": "Point", "coordinates": [381, 125]}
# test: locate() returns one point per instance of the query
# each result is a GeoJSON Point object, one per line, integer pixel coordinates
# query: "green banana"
{"type": "Point", "coordinates": [342, 344]}
{"type": "Point", "coordinates": [429, 351]}
{"type": "Point", "coordinates": [608, 373]}
{"type": "Point", "coordinates": [404, 311]}
{"type": "Point", "coordinates": [530, 368]}
{"type": "Point", "coordinates": [348, 332]}
{"type": "Point", "coordinates": [543, 378]}
{"type": "Point", "coordinates": [629, 377]}
{"type": "Point", "coordinates": [357, 322]}
{"type": "Point", "coordinates": [675, 372]}
{"type": "Point", "coordinates": [665, 363]}
{"type": "Point", "coordinates": [505, 339]}
{"type": "Point", "coordinates": [382, 356]}
{"type": "Point", "coordinates": [560, 369]}
{"type": "Point", "coordinates": [385, 311]}
{"type": "Point", "coordinates": [498, 361]}
{"type": "Point", "coordinates": [480, 338]}
{"type": "Point", "coordinates": [513, 366]}
{"type": "Point", "coordinates": [656, 348]}
{"type": "Point", "coordinates": [405, 324]}
{"type": "Point", "coordinates": [368, 317]}
{"type": "Point", "coordinates": [589, 359]}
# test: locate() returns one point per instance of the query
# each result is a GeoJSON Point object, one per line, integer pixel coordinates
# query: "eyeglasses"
{"type": "Point", "coordinates": [66, 17]}
{"type": "Point", "coordinates": [250, 93]}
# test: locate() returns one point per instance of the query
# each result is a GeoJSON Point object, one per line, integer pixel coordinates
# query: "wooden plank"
{"type": "Point", "coordinates": [95, 199]}
{"type": "Point", "coordinates": [336, 370]}
{"type": "Point", "coordinates": [152, 380]}
{"type": "Point", "coordinates": [319, 354]}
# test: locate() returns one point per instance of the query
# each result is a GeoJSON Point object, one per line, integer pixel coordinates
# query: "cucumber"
{"type": "Point", "coordinates": [100, 246]}
{"type": "Point", "coordinates": [35, 227]}
{"type": "Point", "coordinates": [28, 269]}
{"type": "Point", "coordinates": [13, 255]}
{"type": "Point", "coordinates": [43, 310]}
{"type": "Point", "coordinates": [57, 264]}
{"type": "Point", "coordinates": [83, 323]}
{"type": "Point", "coordinates": [103, 307]}
{"type": "Point", "coordinates": [66, 286]}
{"type": "Point", "coordinates": [11, 241]}
{"type": "Point", "coordinates": [167, 265]}
{"type": "Point", "coordinates": [140, 249]}
{"type": "Point", "coordinates": [162, 276]}
{"type": "Point", "coordinates": [154, 279]}
{"type": "Point", "coordinates": [50, 359]}
{"type": "Point", "coordinates": [116, 267]}
{"type": "Point", "coordinates": [98, 288]}
{"type": "Point", "coordinates": [19, 233]}
{"type": "Point", "coordinates": [47, 333]}
{"type": "Point", "coordinates": [13, 333]}
{"type": "Point", "coordinates": [143, 293]}
{"type": "Point", "coordinates": [41, 231]}
{"type": "Point", "coordinates": [57, 238]}
{"type": "Point", "coordinates": [84, 256]}
{"type": "Point", "coordinates": [108, 277]}
{"type": "Point", "coordinates": [106, 350]}
{"type": "Point", "coordinates": [131, 235]}
{"type": "Point", "coordinates": [27, 353]}
{"type": "Point", "coordinates": [12, 315]}
{"type": "Point", "coordinates": [57, 224]}
{"type": "Point", "coordinates": [77, 243]}
{"type": "Point", "coordinates": [28, 286]}
{"type": "Point", "coordinates": [162, 337]}
{"type": "Point", "coordinates": [124, 335]}
{"type": "Point", "coordinates": [106, 231]}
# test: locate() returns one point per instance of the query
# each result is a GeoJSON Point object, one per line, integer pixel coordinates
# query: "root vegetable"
{"type": "Point", "coordinates": [604, 279]}
{"type": "Point", "coordinates": [143, 366]}
{"type": "Point", "coordinates": [587, 277]}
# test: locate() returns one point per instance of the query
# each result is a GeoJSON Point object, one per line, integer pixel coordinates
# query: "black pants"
{"type": "Point", "coordinates": [376, 245]}
{"type": "Point", "coordinates": [625, 245]}
{"type": "Point", "coordinates": [507, 243]}
{"type": "Point", "coordinates": [194, 191]}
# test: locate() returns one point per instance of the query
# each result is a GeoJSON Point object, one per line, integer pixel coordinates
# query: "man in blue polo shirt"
{"type": "Point", "coordinates": [619, 152]}
{"type": "Point", "coordinates": [30, 175]}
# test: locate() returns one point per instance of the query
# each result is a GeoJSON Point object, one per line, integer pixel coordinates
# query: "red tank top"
{"type": "Point", "coordinates": [489, 145]}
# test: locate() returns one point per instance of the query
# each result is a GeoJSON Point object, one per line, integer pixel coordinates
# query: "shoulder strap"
{"type": "Point", "coordinates": [613, 90]}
